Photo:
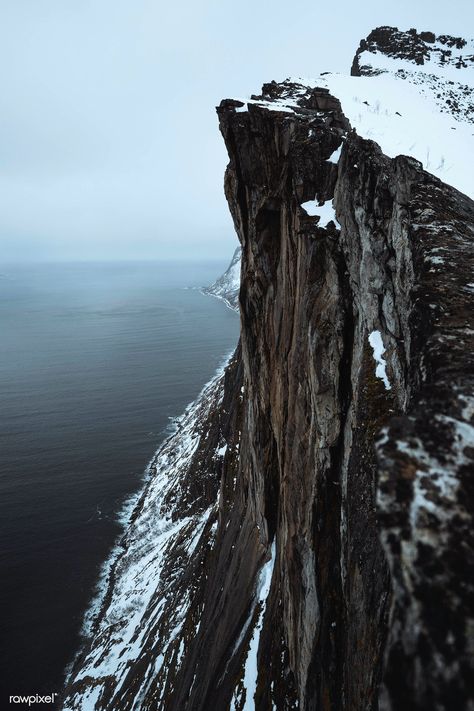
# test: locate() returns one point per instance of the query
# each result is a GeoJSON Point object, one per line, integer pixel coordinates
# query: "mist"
{"type": "Point", "coordinates": [109, 142]}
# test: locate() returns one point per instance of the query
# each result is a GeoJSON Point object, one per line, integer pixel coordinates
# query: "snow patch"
{"type": "Point", "coordinates": [334, 157]}
{"type": "Point", "coordinates": [251, 670]}
{"type": "Point", "coordinates": [325, 212]}
{"type": "Point", "coordinates": [274, 105]}
{"type": "Point", "coordinates": [375, 340]}
{"type": "Point", "coordinates": [441, 474]}
{"type": "Point", "coordinates": [222, 450]}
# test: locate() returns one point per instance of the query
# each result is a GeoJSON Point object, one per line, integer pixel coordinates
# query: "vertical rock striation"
{"type": "Point", "coordinates": [309, 476]}
{"type": "Point", "coordinates": [310, 384]}
{"type": "Point", "coordinates": [308, 480]}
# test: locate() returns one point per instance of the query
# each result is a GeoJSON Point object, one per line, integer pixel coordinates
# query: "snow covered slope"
{"type": "Point", "coordinates": [228, 285]}
{"type": "Point", "coordinates": [424, 110]}
{"type": "Point", "coordinates": [442, 66]}
{"type": "Point", "coordinates": [402, 119]}
{"type": "Point", "coordinates": [142, 613]}
{"type": "Point", "coordinates": [414, 94]}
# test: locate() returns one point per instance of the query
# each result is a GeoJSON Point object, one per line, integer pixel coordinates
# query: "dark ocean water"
{"type": "Point", "coordinates": [94, 360]}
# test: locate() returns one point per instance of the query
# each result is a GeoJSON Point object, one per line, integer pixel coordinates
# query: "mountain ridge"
{"type": "Point", "coordinates": [442, 65]}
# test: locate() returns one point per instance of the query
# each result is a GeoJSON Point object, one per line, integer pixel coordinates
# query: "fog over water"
{"type": "Point", "coordinates": [109, 146]}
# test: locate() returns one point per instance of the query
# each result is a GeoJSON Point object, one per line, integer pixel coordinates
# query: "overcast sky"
{"type": "Point", "coordinates": [109, 144]}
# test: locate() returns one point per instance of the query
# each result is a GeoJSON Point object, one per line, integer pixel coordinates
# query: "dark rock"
{"type": "Point", "coordinates": [429, 37]}
{"type": "Point", "coordinates": [231, 103]}
{"type": "Point", "coordinates": [411, 45]}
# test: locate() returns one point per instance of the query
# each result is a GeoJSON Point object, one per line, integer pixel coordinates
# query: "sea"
{"type": "Point", "coordinates": [96, 359]}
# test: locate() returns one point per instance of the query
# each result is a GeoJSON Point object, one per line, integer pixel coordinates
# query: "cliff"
{"type": "Point", "coordinates": [313, 545]}
{"type": "Point", "coordinates": [310, 299]}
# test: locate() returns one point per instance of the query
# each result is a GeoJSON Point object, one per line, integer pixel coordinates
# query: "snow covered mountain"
{"type": "Point", "coordinates": [304, 538]}
{"type": "Point", "coordinates": [412, 93]}
{"type": "Point", "coordinates": [442, 67]}
{"type": "Point", "coordinates": [228, 285]}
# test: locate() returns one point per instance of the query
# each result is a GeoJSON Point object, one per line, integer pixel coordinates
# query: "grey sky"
{"type": "Point", "coordinates": [109, 145]}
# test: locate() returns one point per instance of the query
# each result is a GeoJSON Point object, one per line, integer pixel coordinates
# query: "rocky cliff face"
{"type": "Point", "coordinates": [418, 47]}
{"type": "Point", "coordinates": [329, 482]}
{"type": "Point", "coordinates": [310, 299]}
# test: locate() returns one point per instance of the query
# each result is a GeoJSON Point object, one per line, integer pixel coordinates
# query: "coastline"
{"type": "Point", "coordinates": [206, 291]}
{"type": "Point", "coordinates": [110, 626]}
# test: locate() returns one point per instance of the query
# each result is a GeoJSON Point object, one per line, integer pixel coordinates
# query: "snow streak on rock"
{"type": "Point", "coordinates": [375, 340]}
{"type": "Point", "coordinates": [249, 684]}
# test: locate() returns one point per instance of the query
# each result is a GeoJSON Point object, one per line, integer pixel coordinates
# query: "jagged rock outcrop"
{"type": "Point", "coordinates": [415, 47]}
{"type": "Point", "coordinates": [334, 571]}
{"type": "Point", "coordinates": [442, 66]}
